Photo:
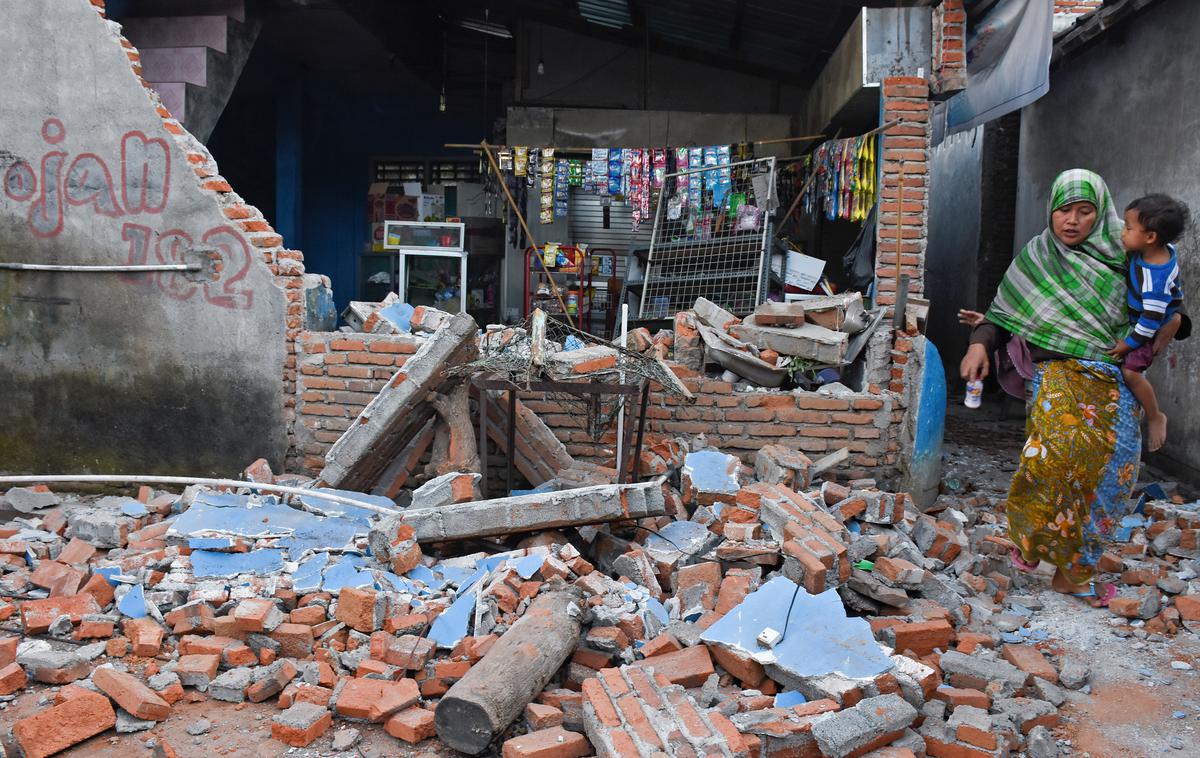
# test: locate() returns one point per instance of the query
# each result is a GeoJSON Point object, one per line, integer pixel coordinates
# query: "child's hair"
{"type": "Point", "coordinates": [1163, 215]}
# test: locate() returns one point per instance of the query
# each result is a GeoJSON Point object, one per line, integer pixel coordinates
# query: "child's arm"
{"type": "Point", "coordinates": [1167, 333]}
{"type": "Point", "coordinates": [1156, 297]}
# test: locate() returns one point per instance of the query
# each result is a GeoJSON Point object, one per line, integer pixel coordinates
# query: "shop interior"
{"type": "Point", "coordinates": [608, 123]}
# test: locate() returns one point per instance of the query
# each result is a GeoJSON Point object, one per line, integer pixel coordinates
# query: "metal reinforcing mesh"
{"type": "Point", "coordinates": [711, 239]}
{"type": "Point", "coordinates": [509, 355]}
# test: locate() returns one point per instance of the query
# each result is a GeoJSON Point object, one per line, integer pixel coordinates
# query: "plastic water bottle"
{"type": "Point", "coordinates": [974, 396]}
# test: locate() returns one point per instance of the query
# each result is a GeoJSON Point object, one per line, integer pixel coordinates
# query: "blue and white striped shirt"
{"type": "Point", "coordinates": [1155, 294]}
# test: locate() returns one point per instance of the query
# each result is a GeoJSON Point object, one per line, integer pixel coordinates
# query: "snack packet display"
{"type": "Point", "coordinates": [520, 161]}
{"type": "Point", "coordinates": [614, 172]}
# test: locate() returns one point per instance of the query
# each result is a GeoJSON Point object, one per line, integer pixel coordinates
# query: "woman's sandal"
{"type": "Point", "coordinates": [1107, 592]}
{"type": "Point", "coordinates": [1019, 563]}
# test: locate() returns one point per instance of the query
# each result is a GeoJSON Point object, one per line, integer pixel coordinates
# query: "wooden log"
{"type": "Point", "coordinates": [495, 691]}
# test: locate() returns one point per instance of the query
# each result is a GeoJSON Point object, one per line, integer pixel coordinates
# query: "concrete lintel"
{"type": "Point", "coordinates": [528, 513]}
{"type": "Point", "coordinates": [881, 42]}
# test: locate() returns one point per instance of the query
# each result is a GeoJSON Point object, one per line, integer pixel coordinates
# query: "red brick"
{"type": "Point", "coordinates": [547, 743]}
{"type": "Point", "coordinates": [356, 608]}
{"type": "Point", "coordinates": [12, 678]}
{"type": "Point", "coordinates": [129, 693]}
{"type": "Point", "coordinates": [295, 640]}
{"type": "Point", "coordinates": [38, 615]}
{"type": "Point", "coordinates": [77, 551]}
{"type": "Point", "coordinates": [145, 636]}
{"type": "Point", "coordinates": [309, 614]}
{"type": "Point", "coordinates": [1188, 607]}
{"type": "Point", "coordinates": [412, 725]}
{"type": "Point", "coordinates": [253, 614]}
{"type": "Point", "coordinates": [206, 665]}
{"type": "Point", "coordinates": [744, 668]}
{"type": "Point", "coordinates": [689, 667]}
{"type": "Point", "coordinates": [1030, 660]}
{"type": "Point", "coordinates": [376, 699]}
{"type": "Point", "coordinates": [8, 649]}
{"type": "Point", "coordinates": [956, 696]}
{"type": "Point", "coordinates": [297, 737]}
{"type": "Point", "coordinates": [540, 716]}
{"type": "Point", "coordinates": [593, 690]}
{"type": "Point", "coordinates": [923, 637]}
{"type": "Point", "coordinates": [66, 724]}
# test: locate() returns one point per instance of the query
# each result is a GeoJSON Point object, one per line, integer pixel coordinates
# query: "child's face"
{"type": "Point", "coordinates": [1135, 237]}
{"type": "Point", "coordinates": [1073, 223]}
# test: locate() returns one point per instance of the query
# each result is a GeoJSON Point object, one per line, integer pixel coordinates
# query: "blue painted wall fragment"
{"type": "Point", "coordinates": [133, 604]}
{"type": "Point", "coordinates": [206, 563]}
{"type": "Point", "coordinates": [308, 575]}
{"type": "Point", "coordinates": [451, 625]}
{"type": "Point", "coordinates": [346, 573]}
{"type": "Point", "coordinates": [925, 463]}
{"type": "Point", "coordinates": [820, 638]}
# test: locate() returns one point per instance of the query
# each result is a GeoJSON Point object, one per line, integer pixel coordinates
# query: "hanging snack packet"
{"type": "Point", "coordinates": [562, 179]}
{"type": "Point", "coordinates": [660, 167]}
{"type": "Point", "coordinates": [575, 172]}
{"type": "Point", "coordinates": [614, 171]}
{"type": "Point", "coordinates": [634, 178]}
{"type": "Point", "coordinates": [520, 161]}
{"type": "Point", "coordinates": [724, 180]}
{"type": "Point", "coordinates": [645, 188]}
{"type": "Point", "coordinates": [505, 159]}
{"type": "Point", "coordinates": [547, 160]}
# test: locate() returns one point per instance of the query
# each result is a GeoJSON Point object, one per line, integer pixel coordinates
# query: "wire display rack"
{"type": "Point", "coordinates": [711, 239]}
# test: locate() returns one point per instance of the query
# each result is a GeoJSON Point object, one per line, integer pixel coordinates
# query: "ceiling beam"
{"type": "Point", "coordinates": [739, 20]}
{"type": "Point", "coordinates": [635, 37]}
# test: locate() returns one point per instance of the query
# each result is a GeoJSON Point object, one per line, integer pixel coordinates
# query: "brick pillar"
{"type": "Point", "coordinates": [949, 48]}
{"type": "Point", "coordinates": [903, 216]}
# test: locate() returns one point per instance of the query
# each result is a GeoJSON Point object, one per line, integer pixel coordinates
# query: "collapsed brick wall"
{"type": "Point", "coordinates": [286, 265]}
{"type": "Point", "coordinates": [340, 373]}
{"type": "Point", "coordinates": [740, 423]}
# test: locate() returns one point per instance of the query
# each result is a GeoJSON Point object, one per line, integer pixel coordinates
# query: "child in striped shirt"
{"type": "Point", "coordinates": [1152, 224]}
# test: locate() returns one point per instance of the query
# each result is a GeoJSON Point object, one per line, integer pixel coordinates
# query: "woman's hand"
{"type": "Point", "coordinates": [970, 318]}
{"type": "Point", "coordinates": [974, 364]}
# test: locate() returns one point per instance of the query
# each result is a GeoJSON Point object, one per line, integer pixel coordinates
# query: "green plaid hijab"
{"type": "Point", "coordinates": [1069, 299]}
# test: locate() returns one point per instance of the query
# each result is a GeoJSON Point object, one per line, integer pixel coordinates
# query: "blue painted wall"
{"type": "Point", "coordinates": [337, 134]}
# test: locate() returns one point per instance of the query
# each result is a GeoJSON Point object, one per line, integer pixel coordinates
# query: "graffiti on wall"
{"type": "Point", "coordinates": [61, 183]}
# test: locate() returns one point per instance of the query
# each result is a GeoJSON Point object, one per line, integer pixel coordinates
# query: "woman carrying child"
{"type": "Point", "coordinates": [1064, 301]}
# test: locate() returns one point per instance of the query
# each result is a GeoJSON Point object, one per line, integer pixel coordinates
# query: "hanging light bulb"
{"type": "Point", "coordinates": [442, 97]}
{"type": "Point", "coordinates": [541, 67]}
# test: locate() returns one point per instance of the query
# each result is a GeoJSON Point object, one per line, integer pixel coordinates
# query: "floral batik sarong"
{"type": "Point", "coordinates": [1078, 466]}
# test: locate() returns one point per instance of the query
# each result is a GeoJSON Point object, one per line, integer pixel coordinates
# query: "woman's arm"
{"type": "Point", "coordinates": [975, 364]}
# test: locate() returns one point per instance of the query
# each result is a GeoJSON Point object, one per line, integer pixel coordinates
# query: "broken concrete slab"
{"type": "Point", "coordinates": [842, 313]}
{"type": "Point", "coordinates": [812, 342]}
{"type": "Point", "coordinates": [713, 315]}
{"type": "Point", "coordinates": [359, 458]}
{"type": "Point", "coordinates": [28, 500]}
{"type": "Point", "coordinates": [527, 513]}
{"type": "Point", "coordinates": [447, 489]}
{"type": "Point", "coordinates": [735, 356]}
